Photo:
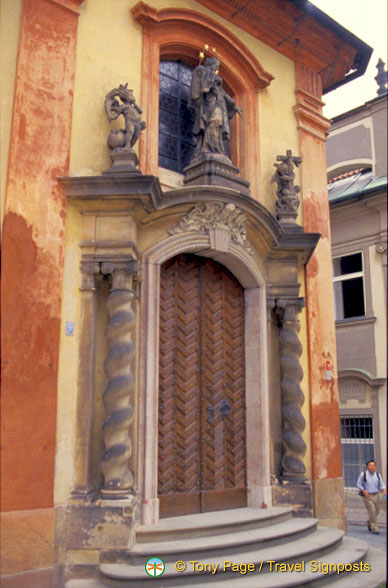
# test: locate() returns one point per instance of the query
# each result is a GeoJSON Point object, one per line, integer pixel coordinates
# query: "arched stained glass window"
{"type": "Point", "coordinates": [176, 144]}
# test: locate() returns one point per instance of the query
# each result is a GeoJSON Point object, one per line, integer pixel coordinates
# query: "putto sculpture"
{"type": "Point", "coordinates": [213, 109]}
{"type": "Point", "coordinates": [121, 101]}
{"type": "Point", "coordinates": [288, 201]}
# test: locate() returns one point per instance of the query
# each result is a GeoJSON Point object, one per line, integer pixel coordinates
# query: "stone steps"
{"type": "Point", "coordinates": [230, 543]}
{"type": "Point", "coordinates": [212, 523]}
{"type": "Point", "coordinates": [306, 548]}
{"type": "Point", "coordinates": [241, 536]}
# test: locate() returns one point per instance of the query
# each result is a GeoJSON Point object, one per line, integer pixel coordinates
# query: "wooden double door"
{"type": "Point", "coordinates": [202, 432]}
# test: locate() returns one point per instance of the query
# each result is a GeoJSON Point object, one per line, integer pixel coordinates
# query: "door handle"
{"type": "Point", "coordinates": [210, 414]}
{"type": "Point", "coordinates": [225, 408]}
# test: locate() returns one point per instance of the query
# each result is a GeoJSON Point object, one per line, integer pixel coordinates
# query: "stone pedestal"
{"type": "Point", "coordinates": [96, 532]}
{"type": "Point", "coordinates": [214, 170]}
{"type": "Point", "coordinates": [123, 162]}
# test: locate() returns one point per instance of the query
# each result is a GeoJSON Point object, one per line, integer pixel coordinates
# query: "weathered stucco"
{"type": "Point", "coordinates": [32, 249]}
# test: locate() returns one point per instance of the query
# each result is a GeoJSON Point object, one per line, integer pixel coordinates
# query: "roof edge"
{"type": "Point", "coordinates": [364, 51]}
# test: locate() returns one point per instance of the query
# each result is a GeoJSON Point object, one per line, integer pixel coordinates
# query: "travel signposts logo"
{"type": "Point", "coordinates": [155, 566]}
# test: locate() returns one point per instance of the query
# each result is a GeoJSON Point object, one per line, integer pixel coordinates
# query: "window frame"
{"type": "Point", "coordinates": [178, 33]}
{"type": "Point", "coordinates": [346, 277]}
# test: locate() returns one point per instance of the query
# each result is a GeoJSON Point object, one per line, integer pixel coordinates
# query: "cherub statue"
{"type": "Point", "coordinates": [123, 140]}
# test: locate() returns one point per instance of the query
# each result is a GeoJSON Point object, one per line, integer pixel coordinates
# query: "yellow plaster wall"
{"type": "Point", "coordinates": [109, 48]}
{"type": "Point", "coordinates": [109, 53]}
{"type": "Point", "coordinates": [68, 364]}
{"type": "Point", "coordinates": [10, 18]}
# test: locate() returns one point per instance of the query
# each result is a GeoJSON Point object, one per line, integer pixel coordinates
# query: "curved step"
{"type": "Point", "coordinates": [211, 523]}
{"type": "Point", "coordinates": [350, 551]}
{"type": "Point", "coordinates": [228, 543]}
{"type": "Point", "coordinates": [376, 578]}
{"type": "Point", "coordinates": [322, 541]}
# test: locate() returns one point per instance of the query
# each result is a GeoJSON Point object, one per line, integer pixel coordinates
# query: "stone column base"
{"type": "Point", "coordinates": [298, 496]}
{"type": "Point", "coordinates": [89, 534]}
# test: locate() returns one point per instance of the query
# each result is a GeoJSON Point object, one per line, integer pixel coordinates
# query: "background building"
{"type": "Point", "coordinates": [357, 171]}
{"type": "Point", "coordinates": [168, 341]}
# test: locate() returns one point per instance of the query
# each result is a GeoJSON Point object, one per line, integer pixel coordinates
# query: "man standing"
{"type": "Point", "coordinates": [370, 483]}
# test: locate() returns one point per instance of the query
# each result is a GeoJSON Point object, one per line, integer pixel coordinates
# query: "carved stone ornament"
{"type": "Point", "coordinates": [224, 223]}
{"type": "Point", "coordinates": [287, 193]}
{"type": "Point", "coordinates": [381, 247]}
{"type": "Point", "coordinates": [121, 141]}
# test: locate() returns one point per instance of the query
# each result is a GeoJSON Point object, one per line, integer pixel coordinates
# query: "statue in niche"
{"type": "Point", "coordinates": [288, 201]}
{"type": "Point", "coordinates": [123, 139]}
{"type": "Point", "coordinates": [213, 109]}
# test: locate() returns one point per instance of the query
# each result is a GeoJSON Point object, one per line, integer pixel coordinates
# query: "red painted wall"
{"type": "Point", "coordinates": [324, 402]}
{"type": "Point", "coordinates": [32, 251]}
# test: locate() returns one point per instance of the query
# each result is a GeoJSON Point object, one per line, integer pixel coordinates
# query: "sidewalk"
{"type": "Point", "coordinates": [357, 519]}
{"type": "Point", "coordinates": [356, 513]}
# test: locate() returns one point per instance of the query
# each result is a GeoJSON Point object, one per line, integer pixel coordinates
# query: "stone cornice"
{"type": "Point", "coordinates": [305, 35]}
{"type": "Point", "coordinates": [146, 191]}
{"type": "Point", "coordinates": [69, 5]}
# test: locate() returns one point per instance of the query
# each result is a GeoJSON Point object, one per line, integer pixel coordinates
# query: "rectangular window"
{"type": "Point", "coordinates": [357, 446]}
{"type": "Point", "coordinates": [348, 278]}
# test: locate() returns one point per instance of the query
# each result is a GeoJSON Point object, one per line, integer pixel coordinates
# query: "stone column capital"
{"type": "Point", "coordinates": [89, 272]}
{"type": "Point", "coordinates": [127, 266]}
{"type": "Point", "coordinates": [287, 309]}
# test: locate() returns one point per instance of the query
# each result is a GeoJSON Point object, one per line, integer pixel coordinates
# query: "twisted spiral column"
{"type": "Point", "coordinates": [118, 395]}
{"type": "Point", "coordinates": [293, 422]}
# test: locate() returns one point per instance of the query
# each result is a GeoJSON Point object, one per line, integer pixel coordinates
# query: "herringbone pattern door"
{"type": "Point", "coordinates": [202, 463]}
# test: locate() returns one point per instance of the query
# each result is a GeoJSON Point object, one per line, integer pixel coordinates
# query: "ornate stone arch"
{"type": "Point", "coordinates": [178, 32]}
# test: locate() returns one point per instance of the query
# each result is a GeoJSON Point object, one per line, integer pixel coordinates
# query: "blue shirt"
{"type": "Point", "coordinates": [373, 482]}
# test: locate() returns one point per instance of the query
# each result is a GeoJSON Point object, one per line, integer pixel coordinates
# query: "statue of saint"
{"type": "Point", "coordinates": [213, 109]}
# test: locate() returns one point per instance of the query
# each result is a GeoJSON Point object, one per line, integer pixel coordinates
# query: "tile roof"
{"type": "Point", "coordinates": [354, 184]}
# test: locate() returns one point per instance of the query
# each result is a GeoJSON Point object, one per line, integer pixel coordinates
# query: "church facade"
{"type": "Point", "coordinates": [168, 322]}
